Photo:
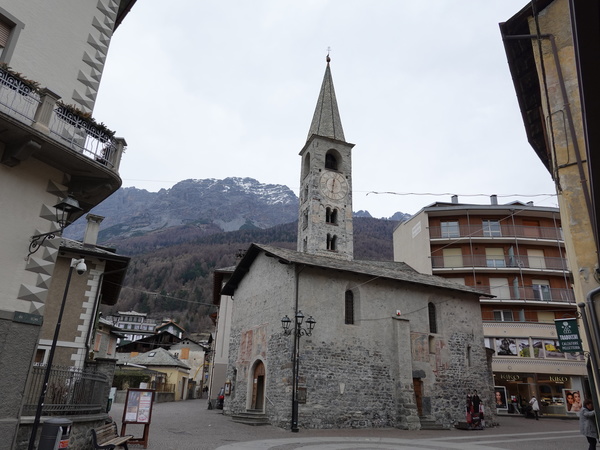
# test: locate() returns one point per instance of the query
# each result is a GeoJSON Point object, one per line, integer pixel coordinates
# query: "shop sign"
{"type": "Point", "coordinates": [568, 335]}
{"type": "Point", "coordinates": [509, 377]}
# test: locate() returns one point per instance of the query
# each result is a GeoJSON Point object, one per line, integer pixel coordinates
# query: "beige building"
{"type": "Point", "coordinates": [552, 48]}
{"type": "Point", "coordinates": [49, 149]}
{"type": "Point", "coordinates": [516, 253]}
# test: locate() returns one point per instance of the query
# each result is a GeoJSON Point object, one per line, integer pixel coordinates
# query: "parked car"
{"type": "Point", "coordinates": [221, 398]}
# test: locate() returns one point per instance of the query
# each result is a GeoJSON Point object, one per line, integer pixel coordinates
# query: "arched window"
{"type": "Point", "coordinates": [331, 161]}
{"type": "Point", "coordinates": [349, 308]}
{"type": "Point", "coordinates": [331, 215]}
{"type": "Point", "coordinates": [331, 242]}
{"type": "Point", "coordinates": [432, 318]}
{"type": "Point", "coordinates": [306, 165]}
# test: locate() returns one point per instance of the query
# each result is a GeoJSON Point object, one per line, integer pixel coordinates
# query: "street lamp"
{"type": "Point", "coordinates": [298, 331]}
{"type": "Point", "coordinates": [63, 210]}
{"type": "Point", "coordinates": [81, 268]}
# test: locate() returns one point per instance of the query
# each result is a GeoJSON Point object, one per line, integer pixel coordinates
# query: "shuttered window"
{"type": "Point", "coordinates": [4, 33]}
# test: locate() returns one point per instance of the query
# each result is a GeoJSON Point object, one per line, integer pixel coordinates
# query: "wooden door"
{"type": "Point", "coordinates": [258, 386]}
{"type": "Point", "coordinates": [418, 388]}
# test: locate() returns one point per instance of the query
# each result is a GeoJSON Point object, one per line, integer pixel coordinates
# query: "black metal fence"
{"type": "Point", "coordinates": [70, 391]}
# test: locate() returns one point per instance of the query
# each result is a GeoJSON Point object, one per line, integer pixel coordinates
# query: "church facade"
{"type": "Point", "coordinates": [389, 347]}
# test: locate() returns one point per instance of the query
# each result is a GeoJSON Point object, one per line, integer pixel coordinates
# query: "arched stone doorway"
{"type": "Point", "coordinates": [258, 386]}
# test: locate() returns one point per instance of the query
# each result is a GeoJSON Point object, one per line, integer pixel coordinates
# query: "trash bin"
{"type": "Point", "coordinates": [55, 434]}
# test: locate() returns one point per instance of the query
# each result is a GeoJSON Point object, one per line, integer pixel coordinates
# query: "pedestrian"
{"type": "Point", "coordinates": [587, 423]}
{"type": "Point", "coordinates": [535, 407]}
{"type": "Point", "coordinates": [476, 401]}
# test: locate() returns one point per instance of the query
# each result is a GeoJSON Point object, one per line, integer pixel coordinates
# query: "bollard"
{"type": "Point", "coordinates": [55, 434]}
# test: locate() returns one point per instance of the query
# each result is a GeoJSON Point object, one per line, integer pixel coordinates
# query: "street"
{"type": "Point", "coordinates": [189, 425]}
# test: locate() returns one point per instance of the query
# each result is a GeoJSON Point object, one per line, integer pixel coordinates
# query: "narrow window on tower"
{"type": "Point", "coordinates": [432, 318]}
{"type": "Point", "coordinates": [331, 161]}
{"type": "Point", "coordinates": [305, 219]}
{"type": "Point", "coordinates": [331, 216]}
{"type": "Point", "coordinates": [349, 308]}
{"type": "Point", "coordinates": [331, 242]}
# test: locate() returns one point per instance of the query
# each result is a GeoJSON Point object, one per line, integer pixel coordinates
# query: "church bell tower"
{"type": "Point", "coordinates": [325, 213]}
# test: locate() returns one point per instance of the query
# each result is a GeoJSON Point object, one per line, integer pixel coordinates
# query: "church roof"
{"type": "Point", "coordinates": [383, 269]}
{"type": "Point", "coordinates": [326, 120]}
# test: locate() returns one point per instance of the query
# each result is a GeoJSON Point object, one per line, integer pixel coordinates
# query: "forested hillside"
{"type": "Point", "coordinates": [170, 274]}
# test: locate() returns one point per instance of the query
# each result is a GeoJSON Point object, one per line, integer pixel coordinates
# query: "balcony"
{"type": "Point", "coordinates": [503, 231]}
{"type": "Point", "coordinates": [35, 124]}
{"type": "Point", "coordinates": [499, 264]}
{"type": "Point", "coordinates": [537, 293]}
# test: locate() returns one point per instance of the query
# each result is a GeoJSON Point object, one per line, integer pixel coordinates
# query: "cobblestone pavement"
{"type": "Point", "coordinates": [189, 425]}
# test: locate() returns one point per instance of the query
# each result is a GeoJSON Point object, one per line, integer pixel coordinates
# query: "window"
{"type": "Point", "coordinates": [536, 259]}
{"type": "Point", "coordinates": [5, 30]}
{"type": "Point", "coordinates": [331, 242]}
{"type": "Point", "coordinates": [450, 229]}
{"type": "Point", "coordinates": [10, 28]}
{"type": "Point", "coordinates": [432, 318]}
{"type": "Point", "coordinates": [541, 290]}
{"type": "Point", "coordinates": [331, 216]}
{"type": "Point", "coordinates": [349, 308]}
{"type": "Point", "coordinates": [331, 161]}
{"type": "Point", "coordinates": [500, 288]}
{"type": "Point", "coordinates": [452, 257]}
{"type": "Point", "coordinates": [305, 219]}
{"type": "Point", "coordinates": [491, 228]}
{"type": "Point", "coordinates": [494, 257]}
{"type": "Point", "coordinates": [505, 315]}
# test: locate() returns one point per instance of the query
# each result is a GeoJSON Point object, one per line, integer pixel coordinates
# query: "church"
{"type": "Point", "coordinates": [320, 340]}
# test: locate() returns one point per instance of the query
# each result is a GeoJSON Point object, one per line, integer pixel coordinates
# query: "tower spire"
{"type": "Point", "coordinates": [326, 120]}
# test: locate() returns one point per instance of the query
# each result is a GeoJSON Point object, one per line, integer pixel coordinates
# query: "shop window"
{"type": "Point", "coordinates": [506, 347]}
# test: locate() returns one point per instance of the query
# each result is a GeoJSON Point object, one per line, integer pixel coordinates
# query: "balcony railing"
{"type": "Point", "coordinates": [478, 231]}
{"type": "Point", "coordinates": [70, 391]}
{"type": "Point", "coordinates": [507, 262]}
{"type": "Point", "coordinates": [41, 110]}
{"type": "Point", "coordinates": [536, 293]}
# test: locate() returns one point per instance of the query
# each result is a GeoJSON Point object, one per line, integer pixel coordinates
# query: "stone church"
{"type": "Point", "coordinates": [380, 345]}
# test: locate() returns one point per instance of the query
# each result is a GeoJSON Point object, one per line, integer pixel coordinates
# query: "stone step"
{"type": "Point", "coordinates": [427, 424]}
{"type": "Point", "coordinates": [251, 417]}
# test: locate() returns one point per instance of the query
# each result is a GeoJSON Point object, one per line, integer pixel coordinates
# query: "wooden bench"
{"type": "Point", "coordinates": [107, 437]}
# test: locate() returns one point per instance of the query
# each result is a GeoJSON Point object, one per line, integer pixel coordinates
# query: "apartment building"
{"type": "Point", "coordinates": [56, 162]}
{"type": "Point", "coordinates": [515, 252]}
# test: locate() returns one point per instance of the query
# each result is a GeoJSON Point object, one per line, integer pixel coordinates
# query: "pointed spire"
{"type": "Point", "coordinates": [326, 121]}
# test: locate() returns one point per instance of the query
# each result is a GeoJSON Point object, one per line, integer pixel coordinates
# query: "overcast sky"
{"type": "Point", "coordinates": [227, 88]}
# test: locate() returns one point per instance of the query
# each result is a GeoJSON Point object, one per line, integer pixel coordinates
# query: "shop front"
{"type": "Point", "coordinates": [558, 395]}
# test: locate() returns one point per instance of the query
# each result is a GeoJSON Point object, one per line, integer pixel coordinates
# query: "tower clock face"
{"type": "Point", "coordinates": [334, 185]}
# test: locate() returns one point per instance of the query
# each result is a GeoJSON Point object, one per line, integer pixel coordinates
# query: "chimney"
{"type": "Point", "coordinates": [93, 227]}
{"type": "Point", "coordinates": [529, 203]}
{"type": "Point", "coordinates": [494, 199]}
{"type": "Point", "coordinates": [455, 199]}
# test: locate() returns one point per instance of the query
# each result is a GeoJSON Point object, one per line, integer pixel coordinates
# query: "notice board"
{"type": "Point", "coordinates": [138, 410]}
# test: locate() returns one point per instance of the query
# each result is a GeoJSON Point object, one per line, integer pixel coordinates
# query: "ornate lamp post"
{"type": "Point", "coordinates": [298, 331]}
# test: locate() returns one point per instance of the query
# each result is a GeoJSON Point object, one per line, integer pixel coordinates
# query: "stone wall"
{"type": "Point", "coordinates": [360, 375]}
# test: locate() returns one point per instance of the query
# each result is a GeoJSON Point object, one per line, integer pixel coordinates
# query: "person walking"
{"type": "Point", "coordinates": [535, 407]}
{"type": "Point", "coordinates": [587, 423]}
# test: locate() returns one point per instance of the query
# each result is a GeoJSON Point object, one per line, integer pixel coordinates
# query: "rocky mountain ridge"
{"type": "Point", "coordinates": [209, 204]}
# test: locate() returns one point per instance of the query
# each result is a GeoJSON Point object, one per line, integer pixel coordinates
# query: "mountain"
{"type": "Point", "coordinates": [229, 204]}
{"type": "Point", "coordinates": [202, 207]}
